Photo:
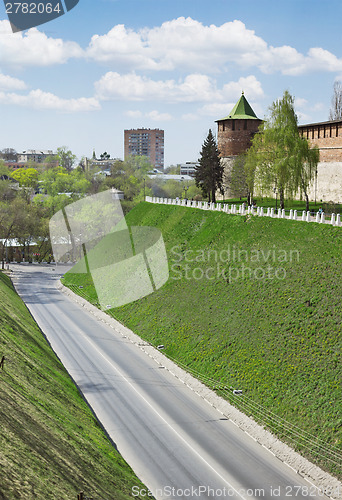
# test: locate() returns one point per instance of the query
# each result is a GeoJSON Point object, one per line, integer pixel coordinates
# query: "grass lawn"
{"type": "Point", "coordinates": [51, 444]}
{"type": "Point", "coordinates": [255, 304]}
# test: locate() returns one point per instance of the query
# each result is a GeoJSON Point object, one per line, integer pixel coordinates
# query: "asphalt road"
{"type": "Point", "coordinates": [177, 444]}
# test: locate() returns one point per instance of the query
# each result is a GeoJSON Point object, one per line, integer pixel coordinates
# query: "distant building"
{"type": "Point", "coordinates": [188, 168]}
{"type": "Point", "coordinates": [34, 155]}
{"type": "Point", "coordinates": [170, 177]}
{"type": "Point", "coordinates": [145, 142]}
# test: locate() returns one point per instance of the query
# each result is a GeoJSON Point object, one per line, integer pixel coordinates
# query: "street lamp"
{"type": "Point", "coordinates": [185, 190]}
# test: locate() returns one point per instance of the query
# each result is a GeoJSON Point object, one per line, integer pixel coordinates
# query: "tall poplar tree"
{"type": "Point", "coordinates": [209, 173]}
{"type": "Point", "coordinates": [336, 102]}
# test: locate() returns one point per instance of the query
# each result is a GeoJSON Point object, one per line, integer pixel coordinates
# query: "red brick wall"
{"type": "Point", "coordinates": [234, 136]}
{"type": "Point", "coordinates": [327, 136]}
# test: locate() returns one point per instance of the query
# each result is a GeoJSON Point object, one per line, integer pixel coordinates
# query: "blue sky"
{"type": "Point", "coordinates": [179, 65]}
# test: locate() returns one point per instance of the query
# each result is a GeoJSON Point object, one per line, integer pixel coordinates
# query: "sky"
{"type": "Point", "coordinates": [109, 65]}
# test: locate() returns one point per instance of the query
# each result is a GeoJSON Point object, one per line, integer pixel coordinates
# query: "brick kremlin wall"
{"type": "Point", "coordinates": [327, 136]}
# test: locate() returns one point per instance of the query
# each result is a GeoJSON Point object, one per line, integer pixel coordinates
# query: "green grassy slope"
{"type": "Point", "coordinates": [274, 333]}
{"type": "Point", "coordinates": [51, 446]}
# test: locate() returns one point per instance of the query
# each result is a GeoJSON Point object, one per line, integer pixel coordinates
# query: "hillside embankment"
{"type": "Point", "coordinates": [252, 304]}
{"type": "Point", "coordinates": [51, 445]}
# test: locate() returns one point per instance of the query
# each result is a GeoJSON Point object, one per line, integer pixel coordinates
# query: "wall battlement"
{"type": "Point", "coordinates": [327, 136]}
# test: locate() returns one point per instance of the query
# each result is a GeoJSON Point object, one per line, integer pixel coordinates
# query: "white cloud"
{"type": "Point", "coordinates": [182, 44]}
{"type": "Point", "coordinates": [319, 106]}
{"type": "Point", "coordinates": [300, 102]}
{"type": "Point", "coordinates": [303, 117]}
{"type": "Point", "coordinates": [179, 43]}
{"type": "Point", "coordinates": [121, 46]}
{"type": "Point", "coordinates": [188, 117]}
{"type": "Point", "coordinates": [250, 85]}
{"type": "Point", "coordinates": [133, 114]}
{"type": "Point", "coordinates": [159, 117]}
{"type": "Point", "coordinates": [217, 109]}
{"type": "Point", "coordinates": [153, 115]}
{"type": "Point", "coordinates": [37, 99]}
{"type": "Point", "coordinates": [194, 88]}
{"type": "Point", "coordinates": [187, 44]}
{"type": "Point", "coordinates": [10, 83]}
{"type": "Point", "coordinates": [34, 48]}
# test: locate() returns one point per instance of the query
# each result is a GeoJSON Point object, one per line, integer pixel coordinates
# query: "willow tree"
{"type": "Point", "coordinates": [305, 167]}
{"type": "Point", "coordinates": [279, 158]}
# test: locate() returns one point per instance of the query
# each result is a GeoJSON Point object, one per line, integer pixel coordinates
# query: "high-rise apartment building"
{"type": "Point", "coordinates": [145, 142]}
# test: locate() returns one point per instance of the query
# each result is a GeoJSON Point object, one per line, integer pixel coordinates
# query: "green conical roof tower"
{"type": "Point", "coordinates": [241, 111]}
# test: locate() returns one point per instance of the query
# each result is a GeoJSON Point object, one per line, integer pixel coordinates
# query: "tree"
{"type": "Point", "coordinates": [66, 158]}
{"type": "Point", "coordinates": [58, 180]}
{"type": "Point", "coordinates": [172, 169]}
{"type": "Point", "coordinates": [306, 167]}
{"type": "Point", "coordinates": [209, 173]}
{"type": "Point", "coordinates": [105, 156]}
{"type": "Point", "coordinates": [279, 157]}
{"type": "Point", "coordinates": [27, 177]}
{"type": "Point", "coordinates": [8, 154]}
{"type": "Point", "coordinates": [336, 102]}
{"type": "Point", "coordinates": [4, 171]}
{"type": "Point", "coordinates": [237, 178]}
{"type": "Point", "coordinates": [12, 215]}
{"type": "Point", "coordinates": [50, 161]}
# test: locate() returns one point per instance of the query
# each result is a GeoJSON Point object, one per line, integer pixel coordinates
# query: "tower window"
{"type": "Point", "coordinates": [233, 124]}
{"type": "Point", "coordinates": [245, 125]}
